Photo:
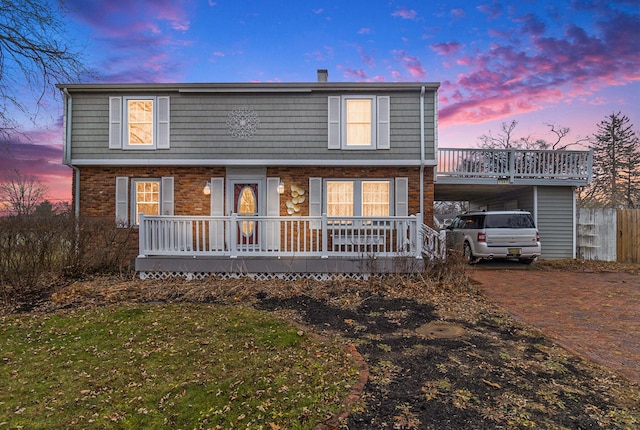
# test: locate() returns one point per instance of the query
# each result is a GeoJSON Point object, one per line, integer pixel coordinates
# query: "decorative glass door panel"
{"type": "Point", "coordinates": [246, 204]}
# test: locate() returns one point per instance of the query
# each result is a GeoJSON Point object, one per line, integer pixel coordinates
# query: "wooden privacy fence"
{"type": "Point", "coordinates": [628, 235]}
{"type": "Point", "coordinates": [609, 235]}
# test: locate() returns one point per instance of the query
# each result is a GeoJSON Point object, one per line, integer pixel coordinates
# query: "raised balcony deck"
{"type": "Point", "coordinates": [514, 166]}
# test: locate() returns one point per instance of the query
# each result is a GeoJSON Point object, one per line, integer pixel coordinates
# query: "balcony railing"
{"type": "Point", "coordinates": [268, 236]}
{"type": "Point", "coordinates": [513, 164]}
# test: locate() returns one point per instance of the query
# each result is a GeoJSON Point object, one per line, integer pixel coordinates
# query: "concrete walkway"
{"type": "Point", "coordinates": [595, 315]}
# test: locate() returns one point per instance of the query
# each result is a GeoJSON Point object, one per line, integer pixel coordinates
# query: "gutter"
{"type": "Point", "coordinates": [422, 160]}
{"type": "Point", "coordinates": [66, 153]}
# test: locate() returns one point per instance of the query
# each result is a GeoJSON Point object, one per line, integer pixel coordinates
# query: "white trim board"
{"type": "Point", "coordinates": [244, 162]}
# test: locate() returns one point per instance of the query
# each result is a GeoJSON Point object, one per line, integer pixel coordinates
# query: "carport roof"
{"type": "Point", "coordinates": [473, 192]}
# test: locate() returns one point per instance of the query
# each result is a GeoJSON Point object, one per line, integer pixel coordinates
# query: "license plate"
{"type": "Point", "coordinates": [514, 251]}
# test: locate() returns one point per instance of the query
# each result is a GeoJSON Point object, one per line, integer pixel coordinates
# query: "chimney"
{"type": "Point", "coordinates": [323, 75]}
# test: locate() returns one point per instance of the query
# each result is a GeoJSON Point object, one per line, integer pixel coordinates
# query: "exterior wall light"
{"type": "Point", "coordinates": [281, 188]}
{"type": "Point", "coordinates": [207, 189]}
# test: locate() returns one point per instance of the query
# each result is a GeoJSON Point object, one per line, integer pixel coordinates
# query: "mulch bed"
{"type": "Point", "coordinates": [439, 355]}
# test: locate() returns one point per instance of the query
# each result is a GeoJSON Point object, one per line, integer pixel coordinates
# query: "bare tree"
{"type": "Point", "coordinates": [561, 133]}
{"type": "Point", "coordinates": [503, 140]}
{"type": "Point", "coordinates": [22, 194]}
{"type": "Point", "coordinates": [506, 139]}
{"type": "Point", "coordinates": [34, 55]}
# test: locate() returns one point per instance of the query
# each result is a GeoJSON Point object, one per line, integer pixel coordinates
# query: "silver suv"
{"type": "Point", "coordinates": [495, 234]}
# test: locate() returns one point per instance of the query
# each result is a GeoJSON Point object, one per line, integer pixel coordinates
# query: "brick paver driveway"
{"type": "Point", "coordinates": [596, 315]}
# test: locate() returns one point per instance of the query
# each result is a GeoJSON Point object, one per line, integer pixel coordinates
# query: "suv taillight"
{"type": "Point", "coordinates": [482, 237]}
{"type": "Point", "coordinates": [537, 236]}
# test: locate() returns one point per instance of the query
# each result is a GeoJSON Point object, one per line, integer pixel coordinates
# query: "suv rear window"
{"type": "Point", "coordinates": [509, 221]}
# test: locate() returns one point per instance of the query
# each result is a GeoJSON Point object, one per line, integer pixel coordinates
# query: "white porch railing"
{"type": "Point", "coordinates": [515, 164]}
{"type": "Point", "coordinates": [321, 236]}
{"type": "Point", "coordinates": [434, 244]}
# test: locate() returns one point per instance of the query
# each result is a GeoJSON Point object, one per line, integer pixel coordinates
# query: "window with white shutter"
{"type": "Point", "coordinates": [139, 122]}
{"type": "Point", "coordinates": [359, 122]}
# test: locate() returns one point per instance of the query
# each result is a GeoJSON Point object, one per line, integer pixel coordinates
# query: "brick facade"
{"type": "Point", "coordinates": [97, 186]}
{"type": "Point", "coordinates": [299, 176]}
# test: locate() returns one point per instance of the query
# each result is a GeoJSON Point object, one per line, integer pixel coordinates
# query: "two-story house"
{"type": "Point", "coordinates": [263, 178]}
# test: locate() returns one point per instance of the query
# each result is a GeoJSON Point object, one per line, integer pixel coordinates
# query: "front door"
{"type": "Point", "coordinates": [245, 197]}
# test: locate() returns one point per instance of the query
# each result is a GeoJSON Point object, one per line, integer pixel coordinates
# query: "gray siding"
{"type": "Point", "coordinates": [524, 200]}
{"type": "Point", "coordinates": [292, 126]}
{"type": "Point", "coordinates": [556, 221]}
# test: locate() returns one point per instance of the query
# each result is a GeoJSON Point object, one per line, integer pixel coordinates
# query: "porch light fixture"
{"type": "Point", "coordinates": [207, 189]}
{"type": "Point", "coordinates": [281, 188]}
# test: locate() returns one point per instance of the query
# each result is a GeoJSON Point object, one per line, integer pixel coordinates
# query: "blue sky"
{"type": "Point", "coordinates": [563, 62]}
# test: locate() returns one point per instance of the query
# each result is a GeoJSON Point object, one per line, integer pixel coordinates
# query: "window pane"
{"type": "Point", "coordinates": [375, 198]}
{"type": "Point", "coordinates": [358, 122]}
{"type": "Point", "coordinates": [147, 198]}
{"type": "Point", "coordinates": [340, 198]}
{"type": "Point", "coordinates": [140, 120]}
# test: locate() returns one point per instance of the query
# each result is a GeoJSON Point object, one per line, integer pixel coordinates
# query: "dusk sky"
{"type": "Point", "coordinates": [562, 62]}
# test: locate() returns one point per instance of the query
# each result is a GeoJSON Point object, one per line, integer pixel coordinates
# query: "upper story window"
{"type": "Point", "coordinates": [139, 122]}
{"type": "Point", "coordinates": [359, 122]}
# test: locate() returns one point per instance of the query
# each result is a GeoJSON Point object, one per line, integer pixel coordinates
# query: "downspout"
{"type": "Point", "coordinates": [66, 154]}
{"type": "Point", "coordinates": [422, 153]}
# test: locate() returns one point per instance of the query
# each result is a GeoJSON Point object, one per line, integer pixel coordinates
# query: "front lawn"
{"type": "Point", "coordinates": [166, 366]}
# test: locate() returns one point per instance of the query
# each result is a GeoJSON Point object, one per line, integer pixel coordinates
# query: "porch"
{"type": "Point", "coordinates": [275, 246]}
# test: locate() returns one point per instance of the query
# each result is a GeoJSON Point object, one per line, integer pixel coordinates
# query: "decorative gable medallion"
{"type": "Point", "coordinates": [243, 123]}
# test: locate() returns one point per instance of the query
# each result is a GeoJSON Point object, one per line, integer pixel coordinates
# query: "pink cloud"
{"type": "Point", "coordinates": [405, 13]}
{"type": "Point", "coordinates": [458, 13]}
{"type": "Point", "coordinates": [354, 74]}
{"type": "Point", "coordinates": [513, 78]}
{"type": "Point", "coordinates": [327, 52]}
{"type": "Point", "coordinates": [368, 60]}
{"type": "Point", "coordinates": [411, 64]}
{"type": "Point", "coordinates": [364, 30]}
{"type": "Point", "coordinates": [141, 37]}
{"type": "Point", "coordinates": [448, 48]}
{"type": "Point", "coordinates": [494, 10]}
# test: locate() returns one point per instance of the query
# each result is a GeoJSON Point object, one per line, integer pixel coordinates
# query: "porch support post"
{"type": "Point", "coordinates": [512, 165]}
{"type": "Point", "coordinates": [233, 230]}
{"type": "Point", "coordinates": [417, 235]}
{"type": "Point", "coordinates": [325, 250]}
{"type": "Point", "coordinates": [141, 235]}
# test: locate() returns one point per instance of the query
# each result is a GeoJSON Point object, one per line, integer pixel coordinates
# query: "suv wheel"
{"type": "Point", "coordinates": [467, 254]}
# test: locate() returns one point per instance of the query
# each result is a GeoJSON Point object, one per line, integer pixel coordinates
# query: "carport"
{"type": "Point", "coordinates": [541, 182]}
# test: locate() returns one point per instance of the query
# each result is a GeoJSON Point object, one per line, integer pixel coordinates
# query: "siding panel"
{"type": "Point", "coordinates": [291, 126]}
{"type": "Point", "coordinates": [556, 222]}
